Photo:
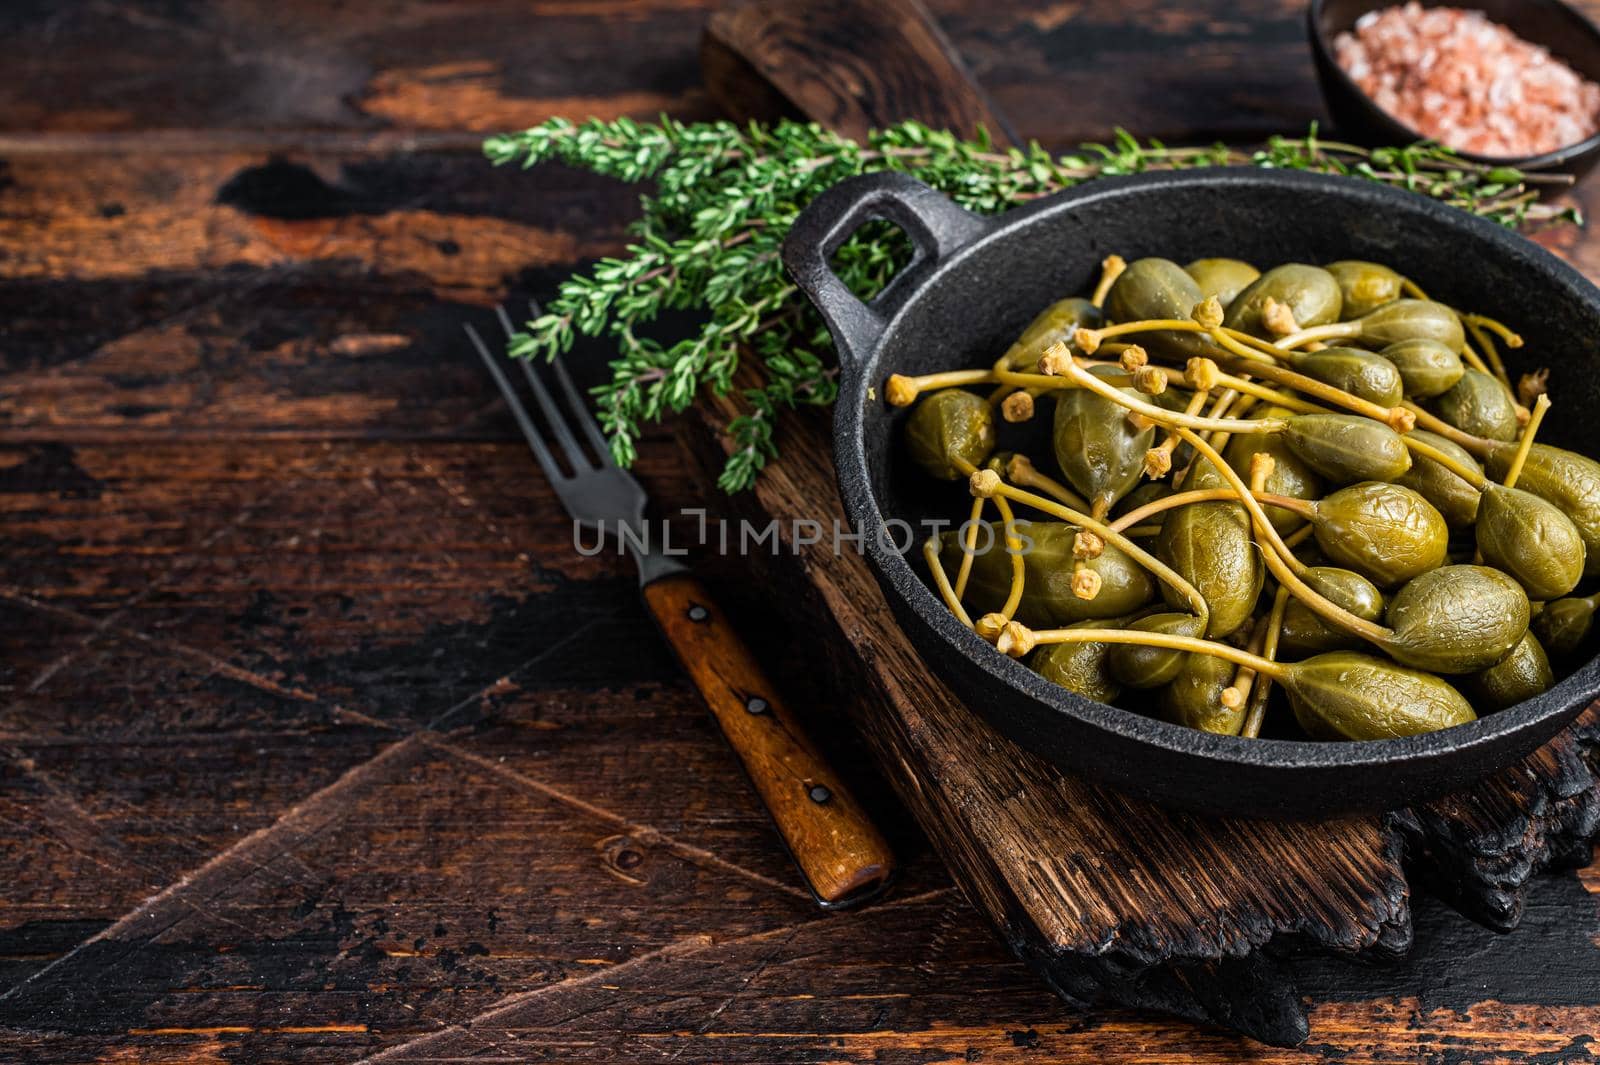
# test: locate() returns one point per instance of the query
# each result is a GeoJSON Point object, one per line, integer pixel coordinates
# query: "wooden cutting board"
{"type": "Point", "coordinates": [1103, 895]}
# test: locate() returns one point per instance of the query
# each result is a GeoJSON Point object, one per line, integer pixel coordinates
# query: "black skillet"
{"type": "Point", "coordinates": [975, 282]}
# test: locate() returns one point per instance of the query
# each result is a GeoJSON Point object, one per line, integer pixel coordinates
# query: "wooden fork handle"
{"type": "Point", "coordinates": [839, 851]}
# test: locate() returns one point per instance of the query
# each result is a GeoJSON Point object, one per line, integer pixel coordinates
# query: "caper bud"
{"type": "Point", "coordinates": [1210, 546]}
{"type": "Point", "coordinates": [948, 428]}
{"type": "Point", "coordinates": [1452, 497]}
{"type": "Point", "coordinates": [1456, 619]}
{"type": "Point", "coordinates": [1139, 666]}
{"type": "Point", "coordinates": [1222, 278]}
{"type": "Point", "coordinates": [1194, 698]}
{"type": "Point", "coordinates": [1427, 367]}
{"type": "Point", "coordinates": [1346, 695]}
{"type": "Point", "coordinates": [1079, 667]}
{"type": "Point", "coordinates": [1480, 405]}
{"type": "Point", "coordinates": [1309, 292]}
{"type": "Point", "coordinates": [1521, 674]}
{"type": "Point", "coordinates": [1347, 447]}
{"type": "Point", "coordinates": [1364, 286]}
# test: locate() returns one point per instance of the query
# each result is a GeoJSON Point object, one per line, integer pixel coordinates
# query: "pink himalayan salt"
{"type": "Point", "coordinates": [1454, 76]}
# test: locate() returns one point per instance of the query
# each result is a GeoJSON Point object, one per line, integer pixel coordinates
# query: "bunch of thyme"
{"type": "Point", "coordinates": [725, 196]}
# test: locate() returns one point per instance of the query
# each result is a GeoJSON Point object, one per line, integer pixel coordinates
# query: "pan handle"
{"type": "Point", "coordinates": [936, 226]}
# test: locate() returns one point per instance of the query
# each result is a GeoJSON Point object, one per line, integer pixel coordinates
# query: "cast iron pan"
{"type": "Point", "coordinates": [975, 282]}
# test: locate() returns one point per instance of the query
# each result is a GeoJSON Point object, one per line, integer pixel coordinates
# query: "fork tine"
{"type": "Point", "coordinates": [547, 461]}
{"type": "Point", "coordinates": [575, 402]}
{"type": "Point", "coordinates": [558, 422]}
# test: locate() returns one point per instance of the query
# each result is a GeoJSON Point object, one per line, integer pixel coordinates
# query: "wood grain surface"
{"type": "Point", "coordinates": [320, 742]}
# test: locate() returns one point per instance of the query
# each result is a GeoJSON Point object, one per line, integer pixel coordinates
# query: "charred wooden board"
{"type": "Point", "coordinates": [1101, 894]}
{"type": "Point", "coordinates": [1110, 897]}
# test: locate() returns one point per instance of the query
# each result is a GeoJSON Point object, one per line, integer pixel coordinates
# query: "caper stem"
{"type": "Point", "coordinates": [1281, 561]}
{"type": "Point", "coordinates": [1410, 288]}
{"type": "Point", "coordinates": [969, 547]}
{"type": "Point", "coordinates": [1477, 445]}
{"type": "Point", "coordinates": [1472, 476]}
{"type": "Point", "coordinates": [1540, 405]}
{"type": "Point", "coordinates": [1167, 640]}
{"type": "Point", "coordinates": [1209, 495]}
{"type": "Point", "coordinates": [1024, 473]}
{"type": "Point", "coordinates": [1269, 650]}
{"type": "Point", "coordinates": [1244, 679]}
{"type": "Point", "coordinates": [1253, 355]}
{"type": "Point", "coordinates": [1070, 369]}
{"type": "Point", "coordinates": [1495, 366]}
{"type": "Point", "coordinates": [1471, 356]}
{"type": "Point", "coordinates": [1162, 452]}
{"type": "Point", "coordinates": [1014, 549]}
{"type": "Point", "coordinates": [1331, 331]}
{"type": "Point", "coordinates": [1111, 268]}
{"type": "Point", "coordinates": [1512, 338]}
{"type": "Point", "coordinates": [930, 551]}
{"type": "Point", "coordinates": [902, 390]}
{"type": "Point", "coordinates": [1299, 536]}
{"type": "Point", "coordinates": [1298, 381]}
{"type": "Point", "coordinates": [1164, 572]}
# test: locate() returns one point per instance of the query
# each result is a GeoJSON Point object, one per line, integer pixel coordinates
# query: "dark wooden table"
{"type": "Point", "coordinates": [318, 740]}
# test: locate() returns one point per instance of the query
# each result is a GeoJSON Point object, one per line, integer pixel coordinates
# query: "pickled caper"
{"type": "Point", "coordinates": [948, 429]}
{"type": "Point", "coordinates": [1567, 479]}
{"type": "Point", "coordinates": [1364, 286]}
{"type": "Point", "coordinates": [1304, 632]}
{"type": "Point", "coordinates": [1150, 667]}
{"type": "Point", "coordinates": [1346, 695]}
{"type": "Point", "coordinates": [1161, 289]}
{"type": "Point", "coordinates": [1456, 619]}
{"type": "Point", "coordinates": [1530, 539]}
{"type": "Point", "coordinates": [1222, 278]}
{"type": "Point", "coordinates": [1385, 532]}
{"type": "Point", "coordinates": [1427, 367]}
{"type": "Point", "coordinates": [1056, 322]}
{"type": "Point", "coordinates": [1346, 447]}
{"type": "Point", "coordinates": [1451, 496]}
{"type": "Point", "coordinates": [1210, 546]}
{"type": "Point", "coordinates": [1289, 477]}
{"type": "Point", "coordinates": [1100, 452]}
{"type": "Point", "coordinates": [1078, 667]}
{"type": "Point", "coordinates": [1523, 673]}
{"type": "Point", "coordinates": [1310, 293]}
{"type": "Point", "coordinates": [1564, 624]}
{"type": "Point", "coordinates": [1194, 698]}
{"type": "Point", "coordinates": [1361, 373]}
{"type": "Point", "coordinates": [1480, 405]}
{"type": "Point", "coordinates": [1048, 562]}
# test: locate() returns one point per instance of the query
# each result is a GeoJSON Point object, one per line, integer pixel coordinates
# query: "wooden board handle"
{"type": "Point", "coordinates": [838, 849]}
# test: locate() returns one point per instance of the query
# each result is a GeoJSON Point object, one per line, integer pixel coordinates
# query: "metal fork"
{"type": "Point", "coordinates": [839, 852]}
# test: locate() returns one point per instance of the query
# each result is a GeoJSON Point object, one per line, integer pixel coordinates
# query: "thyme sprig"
{"type": "Point", "coordinates": [725, 195]}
